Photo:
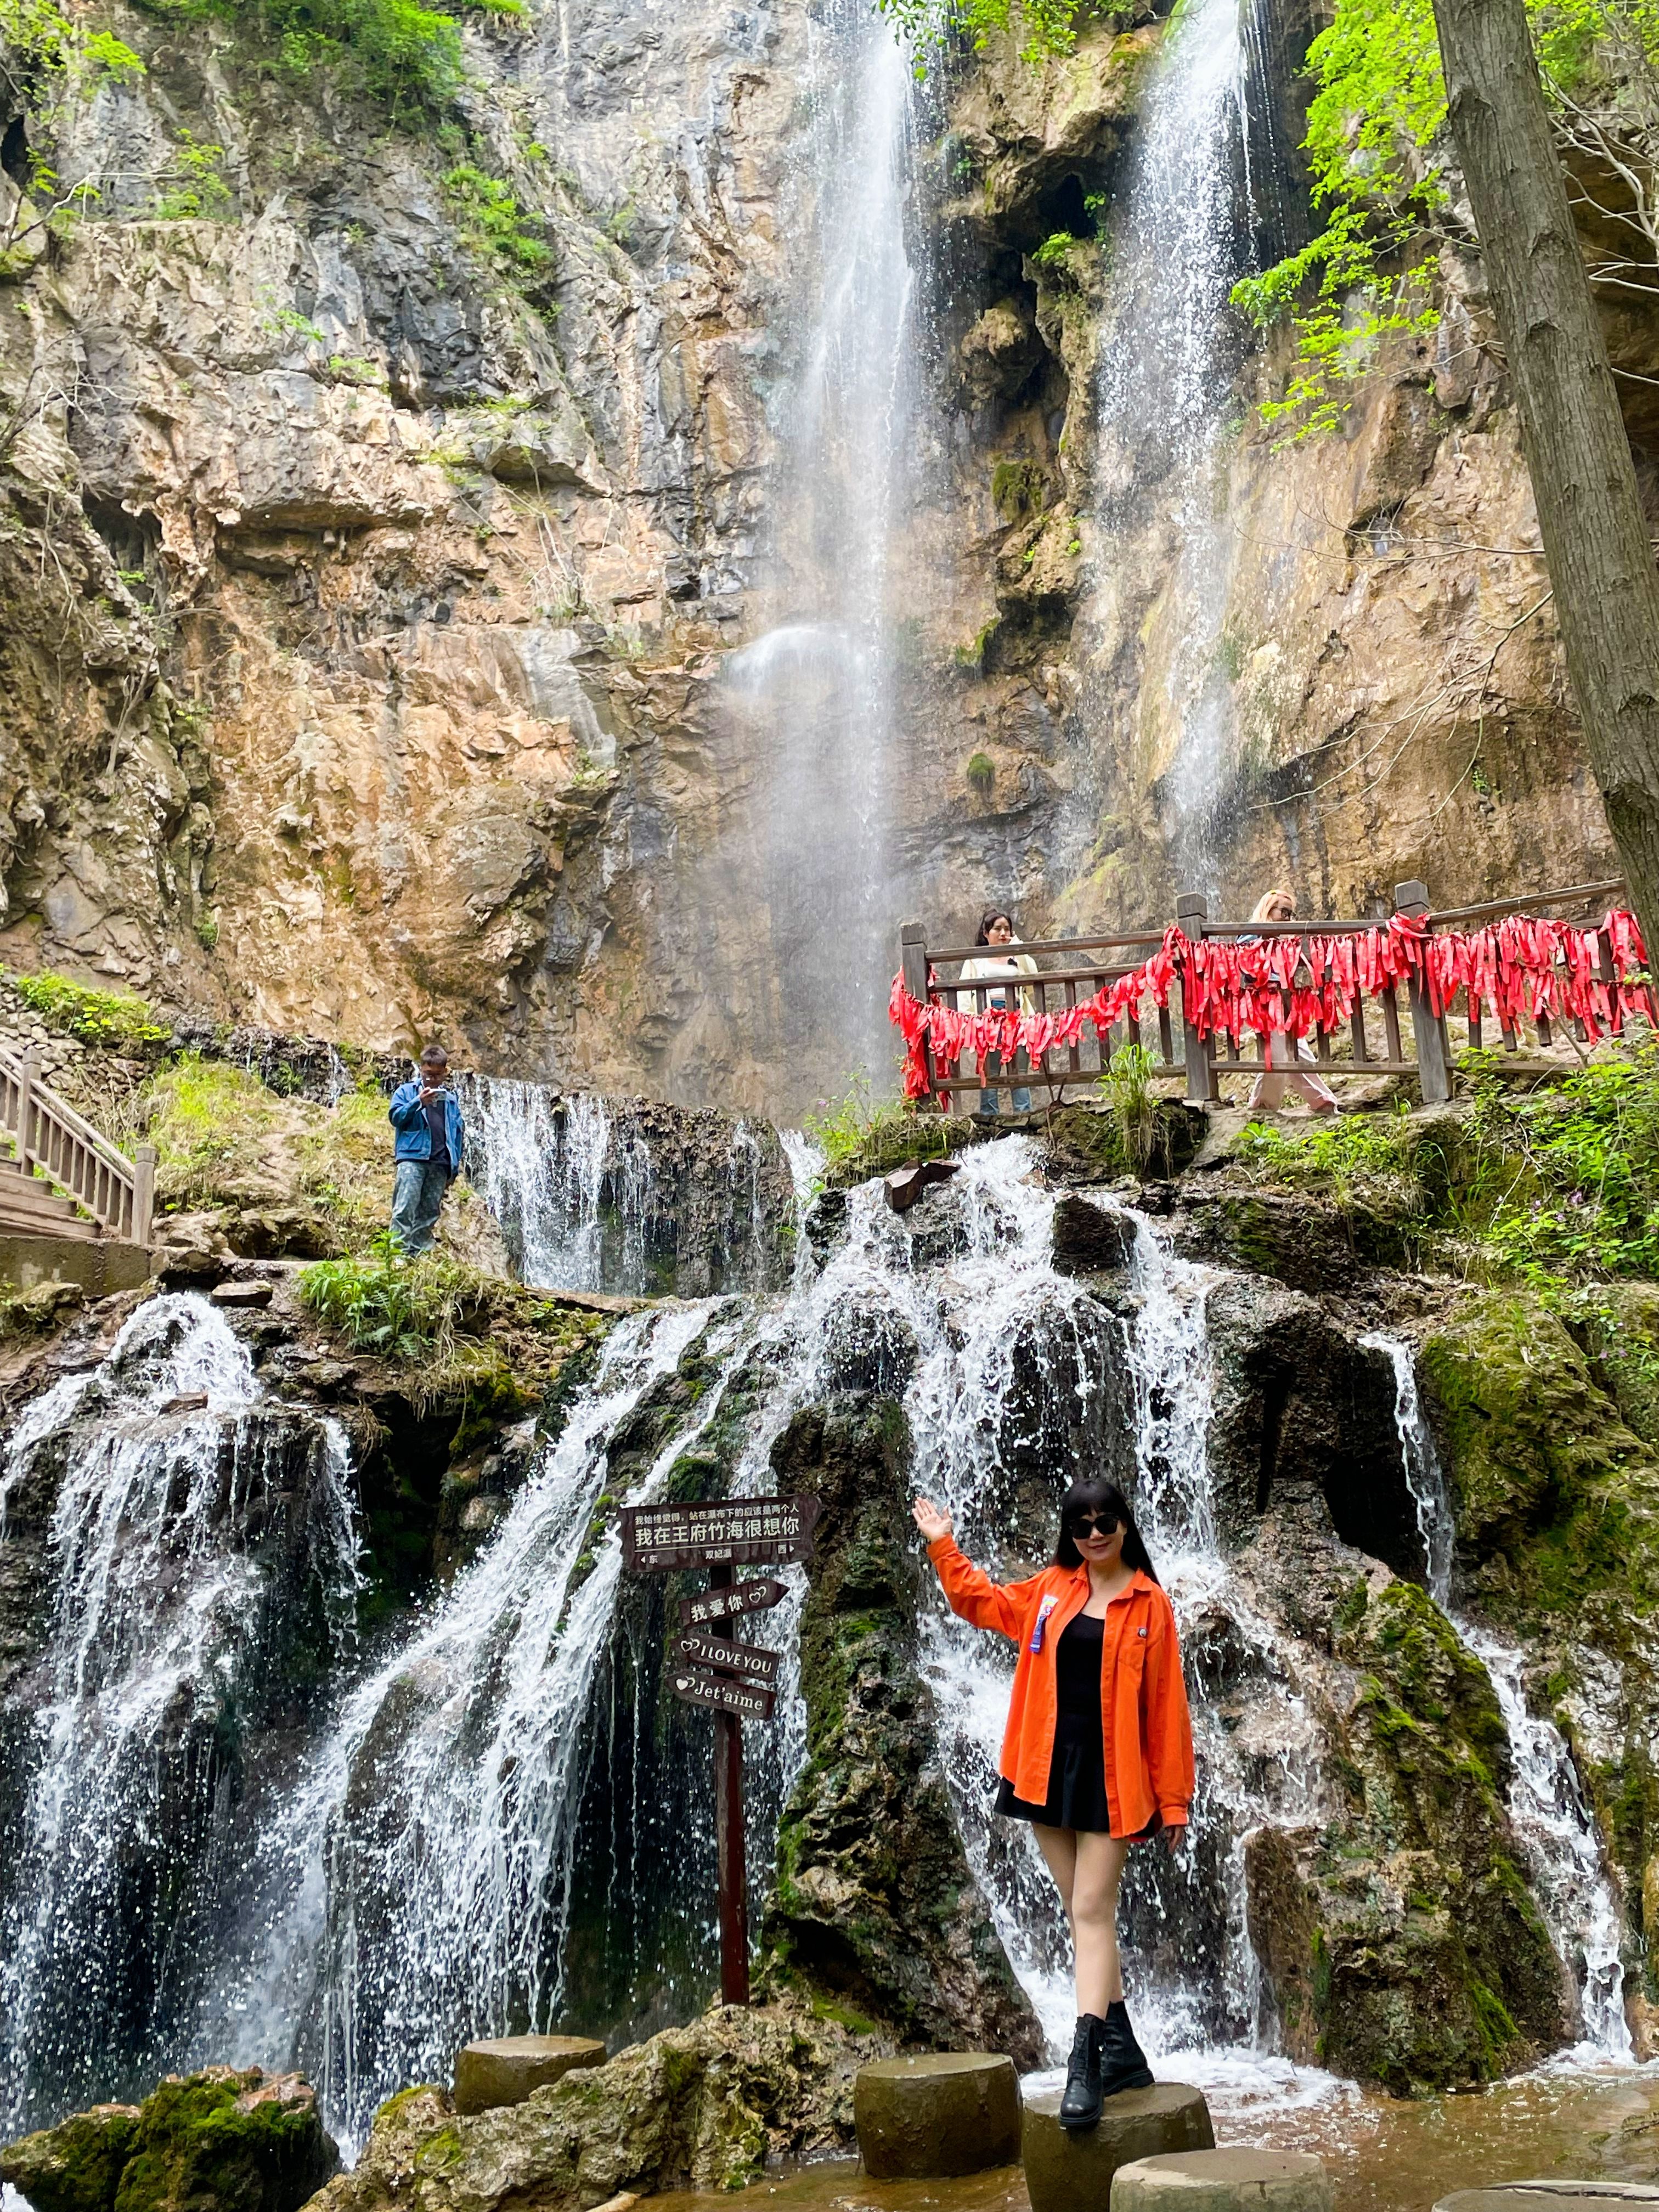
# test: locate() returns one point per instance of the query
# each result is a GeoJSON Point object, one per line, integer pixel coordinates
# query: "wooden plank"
{"type": "Point", "coordinates": [747, 1701]}
{"type": "Point", "coordinates": [1133, 937]}
{"type": "Point", "coordinates": [737, 1531]}
{"type": "Point", "coordinates": [729, 1603]}
{"type": "Point", "coordinates": [1390, 1000]}
{"type": "Point", "coordinates": [1534, 905]}
{"type": "Point", "coordinates": [699, 1648]}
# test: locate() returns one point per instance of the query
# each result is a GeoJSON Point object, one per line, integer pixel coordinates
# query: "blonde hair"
{"type": "Point", "coordinates": [1262, 910]}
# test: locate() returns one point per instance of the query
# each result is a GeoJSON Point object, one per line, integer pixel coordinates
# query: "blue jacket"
{"type": "Point", "coordinates": [408, 1118]}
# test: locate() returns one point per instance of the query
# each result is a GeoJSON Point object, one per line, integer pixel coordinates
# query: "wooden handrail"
{"type": "Point", "coordinates": [120, 1194]}
{"type": "Point", "coordinates": [1427, 1051]}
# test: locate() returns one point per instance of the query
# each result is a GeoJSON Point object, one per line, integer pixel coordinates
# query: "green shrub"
{"type": "Point", "coordinates": [981, 774]}
{"type": "Point", "coordinates": [211, 1124]}
{"type": "Point", "coordinates": [1353, 1155]}
{"type": "Point", "coordinates": [113, 1019]}
{"type": "Point", "coordinates": [198, 192]}
{"type": "Point", "coordinates": [404, 55]}
{"type": "Point", "coordinates": [492, 223]}
{"type": "Point", "coordinates": [1127, 1084]}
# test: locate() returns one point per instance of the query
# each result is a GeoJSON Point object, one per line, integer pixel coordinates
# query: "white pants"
{"type": "Point", "coordinates": [1269, 1089]}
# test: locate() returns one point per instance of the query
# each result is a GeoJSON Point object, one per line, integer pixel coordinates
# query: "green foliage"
{"type": "Point", "coordinates": [981, 775]}
{"type": "Point", "coordinates": [860, 1135]}
{"type": "Point", "coordinates": [1047, 26]}
{"type": "Point", "coordinates": [493, 225]}
{"type": "Point", "coordinates": [42, 36]}
{"type": "Point", "coordinates": [401, 1308]}
{"type": "Point", "coordinates": [1376, 152]}
{"type": "Point", "coordinates": [1354, 1156]}
{"type": "Point", "coordinates": [211, 1124]}
{"type": "Point", "coordinates": [1126, 1083]}
{"type": "Point", "coordinates": [1050, 256]}
{"type": "Point", "coordinates": [199, 192]}
{"type": "Point", "coordinates": [405, 56]}
{"type": "Point", "coordinates": [1566, 1179]}
{"type": "Point", "coordinates": [115, 1020]}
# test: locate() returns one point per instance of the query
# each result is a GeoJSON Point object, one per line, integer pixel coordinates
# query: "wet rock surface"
{"type": "Point", "coordinates": [700, 2106]}
{"type": "Point", "coordinates": [1069, 2172]}
{"type": "Point", "coordinates": [872, 1901]}
{"type": "Point", "coordinates": [219, 2140]}
{"type": "Point", "coordinates": [943, 2112]}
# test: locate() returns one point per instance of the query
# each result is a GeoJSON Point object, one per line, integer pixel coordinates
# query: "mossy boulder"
{"type": "Point", "coordinates": [874, 1903]}
{"type": "Point", "coordinates": [697, 2107]}
{"type": "Point", "coordinates": [1401, 1941]}
{"type": "Point", "coordinates": [1557, 1495]}
{"type": "Point", "coordinates": [220, 2141]}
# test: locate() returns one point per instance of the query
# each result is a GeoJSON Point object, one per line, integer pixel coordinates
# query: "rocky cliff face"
{"type": "Point", "coordinates": [385, 501]}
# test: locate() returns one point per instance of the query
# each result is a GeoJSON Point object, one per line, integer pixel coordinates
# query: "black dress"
{"type": "Point", "coordinates": [1077, 1772]}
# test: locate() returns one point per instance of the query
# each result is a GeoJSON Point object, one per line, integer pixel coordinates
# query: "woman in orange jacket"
{"type": "Point", "coordinates": [1098, 1753]}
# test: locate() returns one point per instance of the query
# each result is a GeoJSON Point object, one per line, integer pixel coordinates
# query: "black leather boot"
{"type": "Point", "coordinates": [1080, 2108]}
{"type": "Point", "coordinates": [1122, 2062]}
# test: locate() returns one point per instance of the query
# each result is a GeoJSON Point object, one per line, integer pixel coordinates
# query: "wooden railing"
{"type": "Point", "coordinates": [49, 1136]}
{"type": "Point", "coordinates": [1412, 1041]}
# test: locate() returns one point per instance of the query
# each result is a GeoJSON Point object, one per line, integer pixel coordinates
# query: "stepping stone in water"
{"type": "Point", "coordinates": [937, 2114]}
{"type": "Point", "coordinates": [1223, 2181]}
{"type": "Point", "coordinates": [505, 2070]}
{"type": "Point", "coordinates": [1552, 2197]}
{"type": "Point", "coordinates": [1068, 2172]}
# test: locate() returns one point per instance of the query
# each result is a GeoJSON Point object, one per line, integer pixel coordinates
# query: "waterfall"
{"type": "Point", "coordinates": [814, 692]}
{"type": "Point", "coordinates": [201, 1546]}
{"type": "Point", "coordinates": [1165, 369]}
{"type": "Point", "coordinates": [1545, 1803]}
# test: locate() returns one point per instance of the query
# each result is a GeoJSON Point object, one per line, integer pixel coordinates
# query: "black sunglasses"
{"type": "Point", "coordinates": [1092, 1524]}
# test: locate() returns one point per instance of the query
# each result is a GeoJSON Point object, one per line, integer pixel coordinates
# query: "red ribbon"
{"type": "Point", "coordinates": [1523, 967]}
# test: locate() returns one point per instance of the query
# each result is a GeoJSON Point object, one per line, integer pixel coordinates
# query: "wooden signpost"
{"type": "Point", "coordinates": [713, 1667]}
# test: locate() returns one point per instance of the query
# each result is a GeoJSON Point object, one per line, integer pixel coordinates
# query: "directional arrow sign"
{"type": "Point", "coordinates": [751, 1703]}
{"type": "Point", "coordinates": [735, 1531]}
{"type": "Point", "coordinates": [742, 1658]}
{"type": "Point", "coordinates": [720, 1604]}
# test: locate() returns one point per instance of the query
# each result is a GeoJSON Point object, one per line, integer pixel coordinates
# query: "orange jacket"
{"type": "Point", "coordinates": [1143, 1699]}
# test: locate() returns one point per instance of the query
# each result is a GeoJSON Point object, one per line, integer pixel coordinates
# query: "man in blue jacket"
{"type": "Point", "coordinates": [428, 1154]}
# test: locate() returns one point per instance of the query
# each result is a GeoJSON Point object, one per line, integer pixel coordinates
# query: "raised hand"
{"type": "Point", "coordinates": [933, 1523]}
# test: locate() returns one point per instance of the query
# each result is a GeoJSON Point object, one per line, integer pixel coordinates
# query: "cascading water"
{"type": "Point", "coordinates": [540, 1161]}
{"type": "Point", "coordinates": [815, 691]}
{"type": "Point", "coordinates": [1175, 254]}
{"type": "Point", "coordinates": [1546, 1802]}
{"type": "Point", "coordinates": [203, 1558]}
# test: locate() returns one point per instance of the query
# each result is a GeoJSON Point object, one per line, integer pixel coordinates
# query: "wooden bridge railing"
{"type": "Point", "coordinates": [1412, 1041]}
{"type": "Point", "coordinates": [50, 1136]}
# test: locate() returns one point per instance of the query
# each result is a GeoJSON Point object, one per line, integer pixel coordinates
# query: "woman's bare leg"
{"type": "Point", "coordinates": [1269, 1090]}
{"type": "Point", "coordinates": [1058, 1850]}
{"type": "Point", "coordinates": [1097, 1873]}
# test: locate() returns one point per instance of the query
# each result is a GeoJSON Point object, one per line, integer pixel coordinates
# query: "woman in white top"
{"type": "Point", "coordinates": [996, 930]}
{"type": "Point", "coordinates": [1279, 905]}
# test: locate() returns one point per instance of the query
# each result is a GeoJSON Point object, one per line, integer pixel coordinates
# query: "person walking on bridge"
{"type": "Point", "coordinates": [427, 1155]}
{"type": "Point", "coordinates": [1098, 1753]}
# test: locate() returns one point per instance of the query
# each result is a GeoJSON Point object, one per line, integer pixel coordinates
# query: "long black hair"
{"type": "Point", "coordinates": [993, 915]}
{"type": "Point", "coordinates": [1103, 1498]}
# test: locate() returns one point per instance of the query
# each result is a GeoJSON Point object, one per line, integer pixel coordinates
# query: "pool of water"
{"type": "Point", "coordinates": [1383, 2155]}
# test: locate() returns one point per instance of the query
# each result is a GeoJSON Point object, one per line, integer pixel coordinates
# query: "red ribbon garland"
{"type": "Point", "coordinates": [1522, 967]}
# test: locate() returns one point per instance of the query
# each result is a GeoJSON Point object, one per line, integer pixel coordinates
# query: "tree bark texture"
{"type": "Point", "coordinates": [1594, 535]}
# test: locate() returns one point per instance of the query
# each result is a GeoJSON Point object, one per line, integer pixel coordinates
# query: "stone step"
{"type": "Point", "coordinates": [1067, 2172]}
{"type": "Point", "coordinates": [937, 2113]}
{"type": "Point", "coordinates": [1224, 2181]}
{"type": "Point", "coordinates": [503, 2069]}
{"type": "Point", "coordinates": [1552, 2196]}
{"type": "Point", "coordinates": [27, 1217]}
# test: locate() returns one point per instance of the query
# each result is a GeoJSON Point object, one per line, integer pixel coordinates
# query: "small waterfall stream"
{"type": "Point", "coordinates": [202, 1543]}
{"type": "Point", "coordinates": [1545, 1803]}
{"type": "Point", "coordinates": [489, 1828]}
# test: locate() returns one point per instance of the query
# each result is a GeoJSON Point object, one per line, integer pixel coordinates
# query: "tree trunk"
{"type": "Point", "coordinates": [1595, 537]}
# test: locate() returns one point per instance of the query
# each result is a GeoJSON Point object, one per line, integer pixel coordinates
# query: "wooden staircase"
{"type": "Point", "coordinates": [65, 1185]}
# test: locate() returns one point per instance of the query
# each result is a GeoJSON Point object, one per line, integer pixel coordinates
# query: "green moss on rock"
{"type": "Point", "coordinates": [1557, 1518]}
{"type": "Point", "coordinates": [219, 2140]}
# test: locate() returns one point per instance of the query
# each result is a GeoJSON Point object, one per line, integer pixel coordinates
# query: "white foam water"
{"type": "Point", "coordinates": [1545, 1803]}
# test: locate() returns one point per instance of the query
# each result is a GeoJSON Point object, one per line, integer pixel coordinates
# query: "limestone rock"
{"type": "Point", "coordinates": [1074, 2173]}
{"type": "Point", "coordinates": [504, 2070]}
{"type": "Point", "coordinates": [697, 2107]}
{"type": "Point", "coordinates": [1089, 1239]}
{"type": "Point", "coordinates": [1223, 2181]}
{"type": "Point", "coordinates": [940, 2113]}
{"type": "Point", "coordinates": [219, 2140]}
{"type": "Point", "coordinates": [1551, 2197]}
{"type": "Point", "coordinates": [873, 1900]}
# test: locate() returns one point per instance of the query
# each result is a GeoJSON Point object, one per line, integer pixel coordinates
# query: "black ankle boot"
{"type": "Point", "coordinates": [1122, 2062]}
{"type": "Point", "coordinates": [1080, 2108]}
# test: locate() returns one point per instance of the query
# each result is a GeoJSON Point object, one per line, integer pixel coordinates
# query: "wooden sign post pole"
{"type": "Point", "coordinates": [731, 1855]}
{"type": "Point", "coordinates": [736, 1680]}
